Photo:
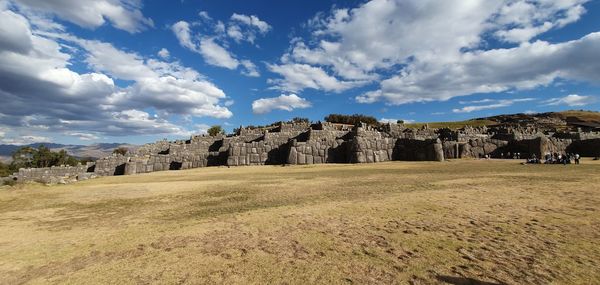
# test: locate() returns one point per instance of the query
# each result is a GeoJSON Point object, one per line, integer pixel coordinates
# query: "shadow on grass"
{"type": "Point", "coordinates": [463, 281]}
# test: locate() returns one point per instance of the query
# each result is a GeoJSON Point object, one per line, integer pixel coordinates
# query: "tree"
{"type": "Point", "coordinates": [300, 120]}
{"type": "Point", "coordinates": [121, 150]}
{"type": "Point", "coordinates": [27, 157]}
{"type": "Point", "coordinates": [4, 170]}
{"type": "Point", "coordinates": [215, 130]}
{"type": "Point", "coordinates": [23, 157]}
{"type": "Point", "coordinates": [401, 122]}
{"type": "Point", "coordinates": [351, 119]}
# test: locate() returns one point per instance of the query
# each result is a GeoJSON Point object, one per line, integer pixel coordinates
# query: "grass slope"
{"type": "Point", "coordinates": [426, 223]}
{"type": "Point", "coordinates": [453, 125]}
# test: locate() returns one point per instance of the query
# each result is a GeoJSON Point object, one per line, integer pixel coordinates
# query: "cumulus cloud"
{"type": "Point", "coordinates": [572, 100]}
{"type": "Point", "coordinates": [216, 55]}
{"type": "Point", "coordinates": [25, 139]}
{"type": "Point", "coordinates": [527, 66]}
{"type": "Point", "coordinates": [520, 21]}
{"type": "Point", "coordinates": [250, 69]}
{"type": "Point", "coordinates": [213, 41]}
{"type": "Point", "coordinates": [283, 102]}
{"type": "Point", "coordinates": [183, 34]}
{"type": "Point", "coordinates": [164, 53]}
{"type": "Point", "coordinates": [393, 121]}
{"type": "Point", "coordinates": [490, 104]}
{"type": "Point", "coordinates": [245, 28]}
{"type": "Point", "coordinates": [83, 136]}
{"type": "Point", "coordinates": [297, 77]}
{"type": "Point", "coordinates": [77, 103]}
{"type": "Point", "coordinates": [122, 14]}
{"type": "Point", "coordinates": [421, 51]}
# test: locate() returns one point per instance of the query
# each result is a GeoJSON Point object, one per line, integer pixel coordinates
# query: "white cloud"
{"type": "Point", "coordinates": [527, 66]}
{"type": "Point", "coordinates": [253, 21]}
{"type": "Point", "coordinates": [216, 55]}
{"type": "Point", "coordinates": [251, 69]}
{"type": "Point", "coordinates": [182, 31]}
{"type": "Point", "coordinates": [122, 14]}
{"type": "Point", "coordinates": [164, 53]}
{"type": "Point", "coordinates": [572, 100]}
{"type": "Point", "coordinates": [493, 104]}
{"type": "Point", "coordinates": [213, 47]}
{"type": "Point", "coordinates": [421, 51]}
{"type": "Point", "coordinates": [25, 140]}
{"type": "Point", "coordinates": [83, 136]}
{"type": "Point", "coordinates": [245, 28]}
{"type": "Point", "coordinates": [298, 77]}
{"type": "Point", "coordinates": [520, 21]}
{"type": "Point", "coordinates": [204, 15]}
{"type": "Point", "coordinates": [283, 102]}
{"type": "Point", "coordinates": [70, 102]}
{"type": "Point", "coordinates": [393, 121]}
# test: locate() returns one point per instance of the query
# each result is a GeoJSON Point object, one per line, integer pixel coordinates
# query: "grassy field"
{"type": "Point", "coordinates": [457, 222]}
{"type": "Point", "coordinates": [452, 125]}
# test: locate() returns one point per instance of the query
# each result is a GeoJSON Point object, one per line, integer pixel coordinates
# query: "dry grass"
{"type": "Point", "coordinates": [458, 222]}
{"type": "Point", "coordinates": [453, 125]}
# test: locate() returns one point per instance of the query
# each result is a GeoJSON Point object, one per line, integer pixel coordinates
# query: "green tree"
{"type": "Point", "coordinates": [44, 157]}
{"type": "Point", "coordinates": [23, 158]}
{"type": "Point", "coordinates": [351, 119]}
{"type": "Point", "coordinates": [300, 120]}
{"type": "Point", "coordinates": [4, 170]}
{"type": "Point", "coordinates": [215, 130]}
{"type": "Point", "coordinates": [26, 157]}
{"type": "Point", "coordinates": [121, 150]}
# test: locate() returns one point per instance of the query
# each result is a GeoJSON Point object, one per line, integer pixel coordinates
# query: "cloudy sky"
{"type": "Point", "coordinates": [87, 71]}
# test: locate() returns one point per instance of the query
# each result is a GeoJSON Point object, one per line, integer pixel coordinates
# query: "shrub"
{"type": "Point", "coordinates": [121, 150]}
{"type": "Point", "coordinates": [215, 130]}
{"type": "Point", "coordinates": [351, 119]}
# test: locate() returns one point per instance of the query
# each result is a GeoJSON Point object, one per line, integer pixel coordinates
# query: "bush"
{"type": "Point", "coordinates": [28, 157]}
{"type": "Point", "coordinates": [300, 120]}
{"type": "Point", "coordinates": [351, 119]}
{"type": "Point", "coordinates": [4, 169]}
{"type": "Point", "coordinates": [215, 130]}
{"type": "Point", "coordinates": [121, 150]}
{"type": "Point", "coordinates": [9, 182]}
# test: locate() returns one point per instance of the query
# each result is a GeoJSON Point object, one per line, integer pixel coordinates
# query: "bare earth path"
{"type": "Point", "coordinates": [458, 222]}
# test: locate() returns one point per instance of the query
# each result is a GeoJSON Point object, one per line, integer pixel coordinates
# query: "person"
{"type": "Point", "coordinates": [577, 158]}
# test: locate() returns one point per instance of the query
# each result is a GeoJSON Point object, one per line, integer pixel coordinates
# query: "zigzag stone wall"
{"type": "Point", "coordinates": [325, 143]}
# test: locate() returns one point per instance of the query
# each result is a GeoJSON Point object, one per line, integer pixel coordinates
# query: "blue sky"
{"type": "Point", "coordinates": [136, 71]}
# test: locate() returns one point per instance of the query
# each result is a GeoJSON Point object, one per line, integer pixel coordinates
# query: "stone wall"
{"type": "Point", "coordinates": [53, 175]}
{"type": "Point", "coordinates": [301, 143]}
{"type": "Point", "coordinates": [112, 165]}
{"type": "Point", "coordinates": [418, 150]}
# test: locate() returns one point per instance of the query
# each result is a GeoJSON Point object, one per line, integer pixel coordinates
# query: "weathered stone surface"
{"type": "Point", "coordinates": [327, 143]}
{"type": "Point", "coordinates": [301, 158]}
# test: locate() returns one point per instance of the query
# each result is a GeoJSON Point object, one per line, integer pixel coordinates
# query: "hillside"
{"type": "Point", "coordinates": [93, 151]}
{"type": "Point", "coordinates": [568, 117]}
{"type": "Point", "coordinates": [571, 118]}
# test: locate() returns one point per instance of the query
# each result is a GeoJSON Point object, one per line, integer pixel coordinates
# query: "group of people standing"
{"type": "Point", "coordinates": [557, 158]}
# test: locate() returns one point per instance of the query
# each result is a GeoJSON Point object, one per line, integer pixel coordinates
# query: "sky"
{"type": "Point", "coordinates": [135, 71]}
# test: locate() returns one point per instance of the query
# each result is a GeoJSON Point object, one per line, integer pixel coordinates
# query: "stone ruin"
{"type": "Point", "coordinates": [303, 143]}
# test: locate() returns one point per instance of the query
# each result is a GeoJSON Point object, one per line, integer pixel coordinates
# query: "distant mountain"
{"type": "Point", "coordinates": [93, 151]}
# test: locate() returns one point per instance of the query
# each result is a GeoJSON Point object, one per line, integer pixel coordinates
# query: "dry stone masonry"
{"type": "Point", "coordinates": [303, 143]}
